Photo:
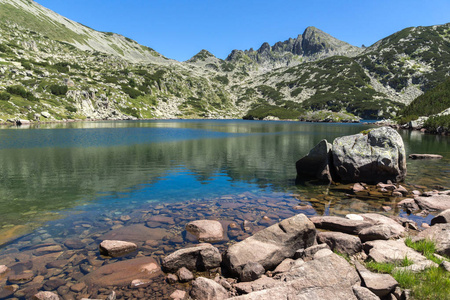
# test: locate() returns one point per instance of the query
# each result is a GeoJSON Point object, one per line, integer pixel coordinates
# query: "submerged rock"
{"type": "Point", "coordinates": [46, 296]}
{"type": "Point", "coordinates": [124, 272]}
{"type": "Point", "coordinates": [116, 248]}
{"type": "Point", "coordinates": [425, 156]}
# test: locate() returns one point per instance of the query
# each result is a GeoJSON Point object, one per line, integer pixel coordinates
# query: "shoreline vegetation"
{"type": "Point", "coordinates": [439, 125]}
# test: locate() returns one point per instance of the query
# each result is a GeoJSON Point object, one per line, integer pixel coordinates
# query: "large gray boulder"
{"type": "Point", "coordinates": [201, 257]}
{"type": "Point", "coordinates": [443, 217]}
{"type": "Point", "coordinates": [434, 202]}
{"type": "Point", "coordinates": [207, 289]}
{"type": "Point", "coordinates": [340, 242]}
{"type": "Point", "coordinates": [374, 157]}
{"type": "Point", "coordinates": [340, 224]}
{"type": "Point", "coordinates": [379, 284]}
{"type": "Point", "coordinates": [391, 251]}
{"type": "Point", "coordinates": [330, 277]}
{"type": "Point", "coordinates": [316, 164]}
{"type": "Point", "coordinates": [395, 228]}
{"type": "Point", "coordinates": [272, 245]}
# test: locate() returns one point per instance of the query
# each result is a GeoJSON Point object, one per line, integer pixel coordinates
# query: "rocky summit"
{"type": "Point", "coordinates": [54, 69]}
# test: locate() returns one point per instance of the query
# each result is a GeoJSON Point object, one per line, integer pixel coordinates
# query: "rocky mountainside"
{"type": "Point", "coordinates": [52, 68]}
{"type": "Point", "coordinates": [312, 45]}
{"type": "Point", "coordinates": [34, 17]}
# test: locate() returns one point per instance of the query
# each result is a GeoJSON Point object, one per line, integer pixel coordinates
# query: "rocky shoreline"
{"type": "Point", "coordinates": [244, 247]}
{"type": "Point", "coordinates": [270, 262]}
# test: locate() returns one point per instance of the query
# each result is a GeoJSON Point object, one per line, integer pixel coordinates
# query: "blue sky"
{"type": "Point", "coordinates": [179, 29]}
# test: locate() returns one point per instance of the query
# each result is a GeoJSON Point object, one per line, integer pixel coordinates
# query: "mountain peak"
{"type": "Point", "coordinates": [313, 44]}
{"type": "Point", "coordinates": [202, 55]}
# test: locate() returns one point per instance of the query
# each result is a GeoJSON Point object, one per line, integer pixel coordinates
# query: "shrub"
{"type": "Point", "coordinates": [5, 96]}
{"type": "Point", "coordinates": [58, 90]}
{"type": "Point", "coordinates": [71, 108]}
{"type": "Point", "coordinates": [62, 67]}
{"type": "Point", "coordinates": [133, 93]}
{"type": "Point", "coordinates": [434, 123]}
{"type": "Point", "coordinates": [222, 79]}
{"type": "Point", "coordinates": [20, 91]}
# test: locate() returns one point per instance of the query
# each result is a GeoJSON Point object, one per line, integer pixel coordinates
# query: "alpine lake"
{"type": "Point", "coordinates": [64, 187]}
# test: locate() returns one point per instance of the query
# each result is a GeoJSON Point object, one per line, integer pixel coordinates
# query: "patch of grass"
{"type": "Point", "coordinates": [433, 283]}
{"type": "Point", "coordinates": [343, 255]}
{"type": "Point", "coordinates": [426, 247]}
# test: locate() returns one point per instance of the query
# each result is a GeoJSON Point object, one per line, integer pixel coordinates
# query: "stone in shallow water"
{"type": "Point", "coordinates": [137, 233]}
{"type": "Point", "coordinates": [53, 284]}
{"type": "Point", "coordinates": [7, 291]}
{"type": "Point", "coordinates": [178, 295]}
{"type": "Point", "coordinates": [74, 244]}
{"type": "Point", "coordinates": [47, 250]}
{"type": "Point", "coordinates": [116, 248]}
{"type": "Point", "coordinates": [3, 270]}
{"type": "Point", "coordinates": [316, 164]}
{"type": "Point", "coordinates": [45, 296]}
{"type": "Point", "coordinates": [185, 275]}
{"type": "Point", "coordinates": [434, 202]}
{"type": "Point", "coordinates": [21, 278]}
{"type": "Point", "coordinates": [374, 157]}
{"type": "Point", "coordinates": [201, 257]}
{"type": "Point", "coordinates": [124, 272]}
{"type": "Point", "coordinates": [206, 230]}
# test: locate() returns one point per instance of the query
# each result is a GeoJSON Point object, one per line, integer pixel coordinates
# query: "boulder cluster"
{"type": "Point", "coordinates": [374, 156]}
{"type": "Point", "coordinates": [321, 257]}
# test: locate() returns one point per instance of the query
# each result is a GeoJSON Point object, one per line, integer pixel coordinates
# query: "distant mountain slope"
{"type": "Point", "coordinates": [377, 83]}
{"type": "Point", "coordinates": [432, 102]}
{"type": "Point", "coordinates": [312, 45]}
{"type": "Point", "coordinates": [32, 16]}
{"type": "Point", "coordinates": [52, 68]}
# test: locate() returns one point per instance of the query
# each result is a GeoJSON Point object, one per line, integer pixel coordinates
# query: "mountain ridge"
{"type": "Point", "coordinates": [49, 72]}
